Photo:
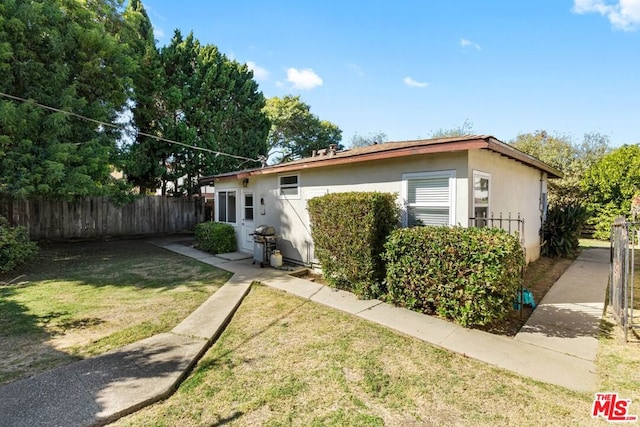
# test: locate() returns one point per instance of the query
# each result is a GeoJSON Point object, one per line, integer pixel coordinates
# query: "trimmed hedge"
{"type": "Point", "coordinates": [468, 275]}
{"type": "Point", "coordinates": [349, 231]}
{"type": "Point", "coordinates": [15, 246]}
{"type": "Point", "coordinates": [216, 237]}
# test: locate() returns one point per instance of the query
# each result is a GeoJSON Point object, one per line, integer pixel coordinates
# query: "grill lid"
{"type": "Point", "coordinates": [265, 230]}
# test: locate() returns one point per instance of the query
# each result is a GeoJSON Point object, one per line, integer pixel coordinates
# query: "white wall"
{"type": "Point", "coordinates": [515, 188]}
{"type": "Point", "coordinates": [290, 215]}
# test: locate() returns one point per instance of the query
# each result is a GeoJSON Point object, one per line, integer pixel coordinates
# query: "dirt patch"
{"type": "Point", "coordinates": [312, 277]}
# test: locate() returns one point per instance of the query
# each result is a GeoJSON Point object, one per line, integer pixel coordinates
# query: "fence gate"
{"type": "Point", "coordinates": [622, 280]}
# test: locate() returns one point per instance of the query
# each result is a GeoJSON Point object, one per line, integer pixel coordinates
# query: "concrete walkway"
{"type": "Point", "coordinates": [557, 345]}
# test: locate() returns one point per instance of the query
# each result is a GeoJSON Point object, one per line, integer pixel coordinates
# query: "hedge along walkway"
{"type": "Point", "coordinates": [557, 345]}
{"type": "Point", "coordinates": [100, 389]}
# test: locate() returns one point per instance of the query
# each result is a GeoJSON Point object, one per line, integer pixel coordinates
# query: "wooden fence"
{"type": "Point", "coordinates": [95, 217]}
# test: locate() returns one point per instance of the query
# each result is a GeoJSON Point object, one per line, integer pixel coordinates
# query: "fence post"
{"type": "Point", "coordinates": [619, 272]}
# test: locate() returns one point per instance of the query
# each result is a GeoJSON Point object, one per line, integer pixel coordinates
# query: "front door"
{"type": "Point", "coordinates": [248, 224]}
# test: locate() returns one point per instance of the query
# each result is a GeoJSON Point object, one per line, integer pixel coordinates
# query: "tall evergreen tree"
{"type": "Point", "coordinates": [211, 102]}
{"type": "Point", "coordinates": [64, 54]}
{"type": "Point", "coordinates": [144, 157]}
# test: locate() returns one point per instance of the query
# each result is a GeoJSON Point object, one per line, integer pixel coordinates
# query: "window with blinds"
{"type": "Point", "coordinates": [429, 198]}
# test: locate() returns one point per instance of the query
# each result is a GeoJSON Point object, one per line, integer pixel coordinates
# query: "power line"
{"type": "Point", "coordinates": [111, 125]}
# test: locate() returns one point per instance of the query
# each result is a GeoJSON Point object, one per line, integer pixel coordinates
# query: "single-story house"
{"type": "Point", "coordinates": [468, 181]}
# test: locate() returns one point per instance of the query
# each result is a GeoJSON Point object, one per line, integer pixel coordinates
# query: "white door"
{"type": "Point", "coordinates": [248, 224]}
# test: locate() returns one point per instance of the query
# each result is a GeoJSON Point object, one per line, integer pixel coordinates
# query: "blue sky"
{"type": "Point", "coordinates": [408, 68]}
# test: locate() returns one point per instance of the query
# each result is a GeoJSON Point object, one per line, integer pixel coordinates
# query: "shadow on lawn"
{"type": "Point", "coordinates": [135, 264]}
{"type": "Point", "coordinates": [17, 356]}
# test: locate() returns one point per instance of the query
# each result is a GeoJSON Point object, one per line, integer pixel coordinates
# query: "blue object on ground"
{"type": "Point", "coordinates": [526, 297]}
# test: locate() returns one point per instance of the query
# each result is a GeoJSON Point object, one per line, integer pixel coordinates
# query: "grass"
{"type": "Point", "coordinates": [594, 243]}
{"type": "Point", "coordinates": [618, 363]}
{"type": "Point", "coordinates": [286, 361]}
{"type": "Point", "coordinates": [83, 299]}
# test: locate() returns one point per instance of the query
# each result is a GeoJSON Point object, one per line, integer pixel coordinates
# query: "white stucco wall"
{"type": "Point", "coordinates": [290, 216]}
{"type": "Point", "coordinates": [514, 188]}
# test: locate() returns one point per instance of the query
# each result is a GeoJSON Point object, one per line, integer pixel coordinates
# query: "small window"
{"type": "Point", "coordinates": [227, 206]}
{"type": "Point", "coordinates": [481, 192]}
{"type": "Point", "coordinates": [288, 186]}
{"type": "Point", "coordinates": [248, 206]}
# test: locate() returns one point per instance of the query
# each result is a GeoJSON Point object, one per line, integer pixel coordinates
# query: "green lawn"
{"type": "Point", "coordinates": [286, 361]}
{"type": "Point", "coordinates": [282, 360]}
{"type": "Point", "coordinates": [82, 299]}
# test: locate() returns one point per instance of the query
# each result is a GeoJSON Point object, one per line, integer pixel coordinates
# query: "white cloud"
{"type": "Point", "coordinates": [469, 43]}
{"type": "Point", "coordinates": [258, 72]}
{"type": "Point", "coordinates": [623, 14]}
{"type": "Point", "coordinates": [412, 83]}
{"type": "Point", "coordinates": [303, 79]}
{"type": "Point", "coordinates": [356, 69]}
{"type": "Point", "coordinates": [158, 33]}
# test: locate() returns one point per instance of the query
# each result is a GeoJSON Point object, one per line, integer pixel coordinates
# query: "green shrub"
{"type": "Point", "coordinates": [469, 275]}
{"type": "Point", "coordinates": [349, 231]}
{"type": "Point", "coordinates": [602, 218]}
{"type": "Point", "coordinates": [15, 246]}
{"type": "Point", "coordinates": [561, 230]}
{"type": "Point", "coordinates": [216, 237]}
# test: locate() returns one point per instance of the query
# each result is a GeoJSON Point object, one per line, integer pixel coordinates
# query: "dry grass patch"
{"type": "Point", "coordinates": [83, 299]}
{"type": "Point", "coordinates": [619, 363]}
{"type": "Point", "coordinates": [286, 361]}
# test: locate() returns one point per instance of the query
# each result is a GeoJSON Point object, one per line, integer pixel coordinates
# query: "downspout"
{"type": "Point", "coordinates": [543, 206]}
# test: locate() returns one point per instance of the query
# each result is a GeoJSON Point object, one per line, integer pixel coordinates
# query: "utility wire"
{"type": "Point", "coordinates": [111, 125]}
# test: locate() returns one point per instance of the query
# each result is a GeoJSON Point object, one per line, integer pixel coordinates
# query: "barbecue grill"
{"type": "Point", "coordinates": [264, 242]}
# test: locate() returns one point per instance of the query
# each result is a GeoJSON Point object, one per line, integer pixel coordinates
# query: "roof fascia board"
{"type": "Point", "coordinates": [381, 155]}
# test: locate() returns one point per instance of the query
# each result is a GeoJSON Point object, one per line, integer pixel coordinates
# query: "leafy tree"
{"type": "Point", "coordinates": [370, 139]}
{"type": "Point", "coordinates": [610, 184]}
{"type": "Point", "coordinates": [568, 157]}
{"type": "Point", "coordinates": [65, 54]}
{"type": "Point", "coordinates": [296, 132]}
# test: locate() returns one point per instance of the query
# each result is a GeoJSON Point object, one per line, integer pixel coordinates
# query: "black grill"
{"type": "Point", "coordinates": [264, 242]}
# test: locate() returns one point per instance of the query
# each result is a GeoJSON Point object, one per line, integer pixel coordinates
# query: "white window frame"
{"type": "Point", "coordinates": [296, 186]}
{"type": "Point", "coordinates": [451, 203]}
{"type": "Point", "coordinates": [474, 205]}
{"type": "Point", "coordinates": [218, 205]}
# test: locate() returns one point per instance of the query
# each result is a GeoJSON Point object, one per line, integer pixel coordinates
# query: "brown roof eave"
{"type": "Point", "coordinates": [338, 160]}
{"type": "Point", "coordinates": [522, 157]}
{"type": "Point", "coordinates": [394, 151]}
